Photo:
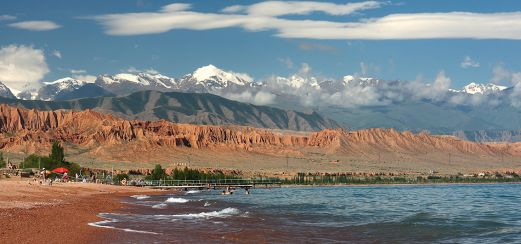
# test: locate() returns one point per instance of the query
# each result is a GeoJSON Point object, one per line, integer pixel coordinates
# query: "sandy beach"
{"type": "Point", "coordinates": [33, 213]}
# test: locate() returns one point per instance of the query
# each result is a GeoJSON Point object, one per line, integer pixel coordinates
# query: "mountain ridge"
{"type": "Point", "coordinates": [195, 108]}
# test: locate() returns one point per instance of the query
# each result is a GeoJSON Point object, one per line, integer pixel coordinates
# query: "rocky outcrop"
{"type": "Point", "coordinates": [89, 129]}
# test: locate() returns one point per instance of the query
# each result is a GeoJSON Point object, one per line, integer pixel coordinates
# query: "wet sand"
{"type": "Point", "coordinates": [59, 213]}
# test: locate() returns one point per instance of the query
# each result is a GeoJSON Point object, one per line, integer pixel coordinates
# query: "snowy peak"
{"type": "Point", "coordinates": [5, 91]}
{"type": "Point", "coordinates": [350, 80]}
{"type": "Point", "coordinates": [474, 88]}
{"type": "Point", "coordinates": [51, 88]}
{"type": "Point", "coordinates": [140, 79]}
{"type": "Point", "coordinates": [212, 77]}
{"type": "Point", "coordinates": [65, 83]}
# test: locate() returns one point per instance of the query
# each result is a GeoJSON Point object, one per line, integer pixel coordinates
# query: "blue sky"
{"type": "Point", "coordinates": [90, 40]}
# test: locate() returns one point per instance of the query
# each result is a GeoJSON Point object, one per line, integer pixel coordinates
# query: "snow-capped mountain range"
{"type": "Point", "coordinates": [212, 80]}
{"type": "Point", "coordinates": [474, 88]}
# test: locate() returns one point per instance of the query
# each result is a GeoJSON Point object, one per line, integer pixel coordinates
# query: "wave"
{"type": "Point", "coordinates": [192, 191]}
{"type": "Point", "coordinates": [176, 200]}
{"type": "Point", "coordinates": [160, 206]}
{"type": "Point", "coordinates": [103, 224]}
{"type": "Point", "coordinates": [140, 197]}
{"type": "Point", "coordinates": [206, 204]}
{"type": "Point", "coordinates": [227, 212]}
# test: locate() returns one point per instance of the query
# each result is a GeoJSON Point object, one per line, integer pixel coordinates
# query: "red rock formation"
{"type": "Point", "coordinates": [89, 129]}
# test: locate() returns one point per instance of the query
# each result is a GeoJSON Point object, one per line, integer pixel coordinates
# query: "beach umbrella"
{"type": "Point", "coordinates": [60, 170]}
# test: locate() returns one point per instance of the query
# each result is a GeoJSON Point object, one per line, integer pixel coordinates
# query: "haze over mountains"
{"type": "Point", "coordinates": [482, 112]}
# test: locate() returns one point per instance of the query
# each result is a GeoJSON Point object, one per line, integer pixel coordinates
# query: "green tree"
{"type": "Point", "coordinates": [157, 174]}
{"type": "Point", "coordinates": [57, 153]}
{"type": "Point", "coordinates": [2, 161]}
{"type": "Point", "coordinates": [119, 177]}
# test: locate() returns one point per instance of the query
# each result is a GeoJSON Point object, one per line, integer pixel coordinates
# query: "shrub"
{"type": "Point", "coordinates": [2, 161]}
{"type": "Point", "coordinates": [119, 177]}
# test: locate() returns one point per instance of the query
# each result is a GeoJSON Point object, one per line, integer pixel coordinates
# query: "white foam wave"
{"type": "Point", "coordinates": [206, 204]}
{"type": "Point", "coordinates": [176, 200]}
{"type": "Point", "coordinates": [227, 212]}
{"type": "Point", "coordinates": [140, 197]}
{"type": "Point", "coordinates": [160, 206]}
{"type": "Point", "coordinates": [192, 192]}
{"type": "Point", "coordinates": [103, 224]}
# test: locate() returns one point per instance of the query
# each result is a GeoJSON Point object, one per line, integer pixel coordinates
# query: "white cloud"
{"type": "Point", "coordinates": [500, 73]}
{"type": "Point", "coordinates": [133, 69]}
{"type": "Point", "coordinates": [36, 25]}
{"type": "Point", "coordinates": [174, 7]}
{"type": "Point", "coordinates": [151, 71]}
{"type": "Point", "coordinates": [280, 8]}
{"type": "Point", "coordinates": [87, 78]}
{"type": "Point", "coordinates": [258, 98]}
{"type": "Point", "coordinates": [505, 25]}
{"type": "Point", "coordinates": [21, 66]}
{"type": "Point", "coordinates": [78, 71]}
{"type": "Point", "coordinates": [468, 62]}
{"type": "Point", "coordinates": [305, 69]}
{"type": "Point", "coordinates": [287, 62]}
{"type": "Point", "coordinates": [7, 17]}
{"type": "Point", "coordinates": [57, 54]}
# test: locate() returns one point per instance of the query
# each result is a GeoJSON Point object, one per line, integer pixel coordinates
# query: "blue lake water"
{"type": "Point", "coordinates": [478, 213]}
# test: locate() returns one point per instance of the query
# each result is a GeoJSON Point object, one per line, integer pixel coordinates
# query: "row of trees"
{"type": "Point", "coordinates": [187, 174]}
{"type": "Point", "coordinates": [303, 179]}
{"type": "Point", "coordinates": [55, 159]}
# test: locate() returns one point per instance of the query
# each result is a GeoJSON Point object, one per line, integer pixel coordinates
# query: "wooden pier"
{"type": "Point", "coordinates": [213, 184]}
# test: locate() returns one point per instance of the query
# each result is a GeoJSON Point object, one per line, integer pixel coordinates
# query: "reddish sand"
{"type": "Point", "coordinates": [58, 213]}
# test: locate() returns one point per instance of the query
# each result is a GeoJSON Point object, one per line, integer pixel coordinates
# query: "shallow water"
{"type": "Point", "coordinates": [361, 214]}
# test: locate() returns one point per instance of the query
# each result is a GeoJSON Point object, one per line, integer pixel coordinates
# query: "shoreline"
{"type": "Point", "coordinates": [59, 213]}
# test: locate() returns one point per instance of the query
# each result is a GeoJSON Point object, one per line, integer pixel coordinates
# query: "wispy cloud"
{"type": "Point", "coordinates": [264, 16]}
{"type": "Point", "coordinates": [307, 46]}
{"type": "Point", "coordinates": [86, 78]}
{"type": "Point", "coordinates": [468, 62]}
{"type": "Point", "coordinates": [7, 17]}
{"type": "Point", "coordinates": [287, 62]}
{"type": "Point", "coordinates": [57, 54]}
{"type": "Point", "coordinates": [78, 71]}
{"type": "Point", "coordinates": [133, 69]}
{"type": "Point", "coordinates": [280, 8]}
{"type": "Point", "coordinates": [36, 25]}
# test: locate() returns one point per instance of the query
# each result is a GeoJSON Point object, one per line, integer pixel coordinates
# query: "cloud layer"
{"type": "Point", "coordinates": [36, 25]}
{"type": "Point", "coordinates": [21, 66]}
{"type": "Point", "coordinates": [270, 16]}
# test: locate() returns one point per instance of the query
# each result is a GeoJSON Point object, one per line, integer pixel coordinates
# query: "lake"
{"type": "Point", "coordinates": [467, 213]}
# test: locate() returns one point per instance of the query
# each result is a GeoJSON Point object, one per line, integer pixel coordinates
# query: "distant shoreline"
{"type": "Point", "coordinates": [398, 184]}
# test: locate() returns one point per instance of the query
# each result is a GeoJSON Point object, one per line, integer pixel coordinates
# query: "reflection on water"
{"type": "Point", "coordinates": [443, 214]}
